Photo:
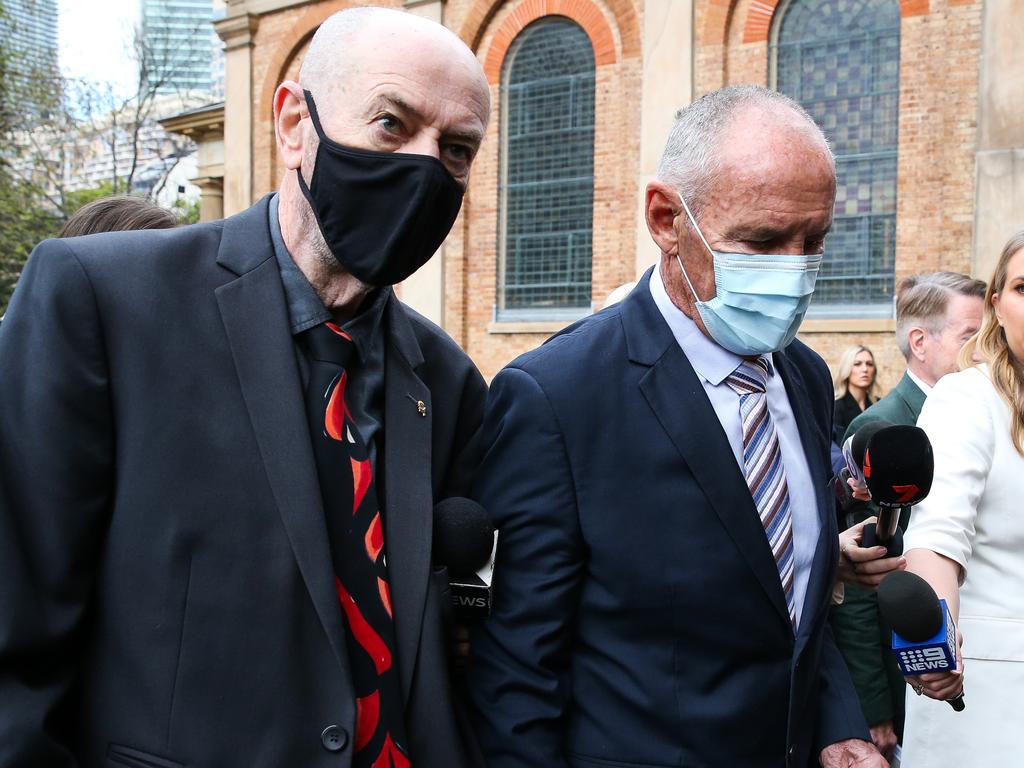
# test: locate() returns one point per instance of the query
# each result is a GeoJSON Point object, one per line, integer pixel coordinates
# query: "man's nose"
{"type": "Point", "coordinates": [423, 144]}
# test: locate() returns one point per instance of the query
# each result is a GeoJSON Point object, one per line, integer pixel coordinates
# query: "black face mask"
{"type": "Point", "coordinates": [383, 214]}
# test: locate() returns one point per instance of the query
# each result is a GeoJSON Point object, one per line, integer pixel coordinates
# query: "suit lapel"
{"type": "Point", "coordinates": [811, 438]}
{"type": "Point", "coordinates": [677, 397]}
{"type": "Point", "coordinates": [255, 317]}
{"type": "Point", "coordinates": [408, 495]}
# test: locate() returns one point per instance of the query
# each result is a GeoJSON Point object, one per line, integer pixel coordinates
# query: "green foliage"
{"type": "Point", "coordinates": [186, 211]}
{"type": "Point", "coordinates": [25, 219]}
{"type": "Point", "coordinates": [23, 224]}
{"type": "Point", "coordinates": [50, 127]}
{"type": "Point", "coordinates": [73, 200]}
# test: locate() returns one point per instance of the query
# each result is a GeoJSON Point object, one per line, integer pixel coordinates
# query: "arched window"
{"type": "Point", "coordinates": [841, 60]}
{"type": "Point", "coordinates": [546, 186]}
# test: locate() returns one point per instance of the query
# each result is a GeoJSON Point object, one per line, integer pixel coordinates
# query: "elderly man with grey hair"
{"type": "Point", "coordinates": [658, 473]}
{"type": "Point", "coordinates": [222, 446]}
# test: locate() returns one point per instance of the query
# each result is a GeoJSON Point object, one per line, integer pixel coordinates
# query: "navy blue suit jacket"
{"type": "Point", "coordinates": [638, 614]}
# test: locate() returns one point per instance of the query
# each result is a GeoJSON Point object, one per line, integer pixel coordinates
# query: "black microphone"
{"type": "Point", "coordinates": [923, 633]}
{"type": "Point", "coordinates": [898, 467]}
{"type": "Point", "coordinates": [894, 463]}
{"type": "Point", "coordinates": [853, 453]}
{"type": "Point", "coordinates": [464, 542]}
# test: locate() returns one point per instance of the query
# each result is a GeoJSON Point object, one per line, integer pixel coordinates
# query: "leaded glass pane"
{"type": "Point", "coordinates": [547, 182]}
{"type": "Point", "coordinates": [840, 60]}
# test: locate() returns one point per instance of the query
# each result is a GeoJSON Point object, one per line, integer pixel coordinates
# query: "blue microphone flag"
{"type": "Point", "coordinates": [936, 654]}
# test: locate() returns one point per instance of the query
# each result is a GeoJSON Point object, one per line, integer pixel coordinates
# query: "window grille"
{"type": "Point", "coordinates": [840, 59]}
{"type": "Point", "coordinates": [546, 187]}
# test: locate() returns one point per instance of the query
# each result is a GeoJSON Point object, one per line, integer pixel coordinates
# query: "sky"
{"type": "Point", "coordinates": [94, 39]}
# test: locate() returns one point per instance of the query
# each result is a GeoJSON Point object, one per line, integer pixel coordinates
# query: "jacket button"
{"type": "Point", "coordinates": [334, 738]}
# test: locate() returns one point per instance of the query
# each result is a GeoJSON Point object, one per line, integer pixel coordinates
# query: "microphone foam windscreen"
{"type": "Point", "coordinates": [898, 466]}
{"type": "Point", "coordinates": [910, 606]}
{"type": "Point", "coordinates": [860, 438]}
{"type": "Point", "coordinates": [463, 536]}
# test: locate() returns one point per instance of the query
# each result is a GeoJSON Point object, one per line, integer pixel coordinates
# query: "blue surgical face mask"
{"type": "Point", "coordinates": [760, 299]}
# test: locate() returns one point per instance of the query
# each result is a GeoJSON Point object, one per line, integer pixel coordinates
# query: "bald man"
{"type": "Point", "coordinates": [222, 445]}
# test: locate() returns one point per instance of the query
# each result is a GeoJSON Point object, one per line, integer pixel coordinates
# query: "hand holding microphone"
{"type": "Point", "coordinates": [925, 640]}
{"type": "Point", "coordinates": [864, 566]}
{"type": "Point", "coordinates": [894, 464]}
{"type": "Point", "coordinates": [464, 545]}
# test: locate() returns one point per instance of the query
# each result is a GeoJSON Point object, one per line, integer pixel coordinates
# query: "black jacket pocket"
{"type": "Point", "coordinates": [118, 754]}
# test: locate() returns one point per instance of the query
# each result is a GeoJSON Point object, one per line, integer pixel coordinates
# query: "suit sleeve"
{"type": "Point", "coordinates": [520, 656]}
{"type": "Point", "coordinates": [55, 468]}
{"type": "Point", "coordinates": [839, 713]}
{"type": "Point", "coordinates": [466, 447]}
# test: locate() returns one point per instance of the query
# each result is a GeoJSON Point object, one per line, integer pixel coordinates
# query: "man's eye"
{"type": "Point", "coordinates": [389, 123]}
{"type": "Point", "coordinates": [459, 152]}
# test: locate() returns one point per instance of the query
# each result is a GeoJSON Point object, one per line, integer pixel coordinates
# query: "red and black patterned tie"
{"type": "Point", "coordinates": [356, 533]}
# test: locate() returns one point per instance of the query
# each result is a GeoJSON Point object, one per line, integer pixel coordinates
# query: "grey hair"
{"type": "Point", "coordinates": [691, 155]}
{"type": "Point", "coordinates": [921, 302]}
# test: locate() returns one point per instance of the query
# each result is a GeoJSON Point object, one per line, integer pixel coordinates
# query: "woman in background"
{"type": "Point", "coordinates": [967, 538]}
{"type": "Point", "coordinates": [855, 388]}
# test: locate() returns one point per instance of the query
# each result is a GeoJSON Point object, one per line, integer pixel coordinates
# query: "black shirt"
{"type": "Point", "coordinates": [846, 410]}
{"type": "Point", "coordinates": [364, 392]}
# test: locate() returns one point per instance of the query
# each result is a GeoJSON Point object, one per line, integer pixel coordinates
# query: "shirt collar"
{"type": "Point", "coordinates": [712, 362]}
{"type": "Point", "coordinates": [305, 309]}
{"type": "Point", "coordinates": [920, 384]}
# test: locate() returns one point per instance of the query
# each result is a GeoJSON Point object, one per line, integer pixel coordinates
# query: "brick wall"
{"type": "Point", "coordinates": [470, 293]}
{"type": "Point", "coordinates": [940, 46]}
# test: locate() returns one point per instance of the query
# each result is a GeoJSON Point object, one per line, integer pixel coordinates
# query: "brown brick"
{"type": "Point", "coordinates": [940, 49]}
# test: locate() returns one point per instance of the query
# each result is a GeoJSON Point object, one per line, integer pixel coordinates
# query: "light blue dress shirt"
{"type": "Point", "coordinates": [713, 364]}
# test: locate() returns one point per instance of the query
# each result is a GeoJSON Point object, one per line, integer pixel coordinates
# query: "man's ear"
{"type": "Point", "coordinates": [915, 339]}
{"type": "Point", "coordinates": [289, 110]}
{"type": "Point", "coordinates": [661, 209]}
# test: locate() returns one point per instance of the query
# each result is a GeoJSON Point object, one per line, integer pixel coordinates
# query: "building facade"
{"type": "Point", "coordinates": [923, 101]}
{"type": "Point", "coordinates": [28, 30]}
{"type": "Point", "coordinates": [180, 44]}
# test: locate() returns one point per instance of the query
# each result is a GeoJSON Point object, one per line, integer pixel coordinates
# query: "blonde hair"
{"type": "Point", "coordinates": [989, 345]}
{"type": "Point", "coordinates": [841, 382]}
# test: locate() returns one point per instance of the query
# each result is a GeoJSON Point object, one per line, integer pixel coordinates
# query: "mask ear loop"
{"type": "Point", "coordinates": [700, 234]}
{"type": "Point", "coordinates": [303, 187]}
{"type": "Point", "coordinates": [314, 116]}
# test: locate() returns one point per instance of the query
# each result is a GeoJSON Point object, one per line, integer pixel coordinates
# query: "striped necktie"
{"type": "Point", "coordinates": [765, 473]}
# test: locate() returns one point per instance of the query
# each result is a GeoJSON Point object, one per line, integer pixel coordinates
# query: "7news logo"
{"type": "Point", "coordinates": [915, 660]}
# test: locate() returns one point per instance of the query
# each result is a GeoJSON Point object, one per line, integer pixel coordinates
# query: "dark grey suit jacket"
{"type": "Point", "coordinates": [166, 588]}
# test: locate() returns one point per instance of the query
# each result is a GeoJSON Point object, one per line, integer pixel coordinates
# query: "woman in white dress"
{"type": "Point", "coordinates": [967, 540]}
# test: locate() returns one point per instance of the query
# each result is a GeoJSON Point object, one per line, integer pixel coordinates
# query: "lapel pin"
{"type": "Point", "coordinates": [421, 408]}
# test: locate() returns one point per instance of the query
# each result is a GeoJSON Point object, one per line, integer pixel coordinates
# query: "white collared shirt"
{"type": "Point", "coordinates": [920, 384]}
{"type": "Point", "coordinates": [713, 364]}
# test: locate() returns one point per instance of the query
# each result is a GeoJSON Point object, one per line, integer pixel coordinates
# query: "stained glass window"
{"type": "Point", "coordinates": [841, 60]}
{"type": "Point", "coordinates": [546, 187]}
